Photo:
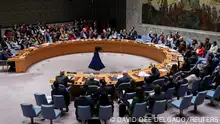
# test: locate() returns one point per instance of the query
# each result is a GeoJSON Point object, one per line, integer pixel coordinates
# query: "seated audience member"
{"type": "Point", "coordinates": [214, 48]}
{"type": "Point", "coordinates": [92, 81]}
{"type": "Point", "coordinates": [158, 95]}
{"type": "Point", "coordinates": [125, 78]}
{"type": "Point", "coordinates": [182, 47]}
{"type": "Point", "coordinates": [169, 84]}
{"type": "Point", "coordinates": [147, 86]}
{"type": "Point", "coordinates": [180, 80]}
{"type": "Point", "coordinates": [83, 100]}
{"type": "Point", "coordinates": [207, 44]}
{"type": "Point", "coordinates": [194, 44]}
{"type": "Point", "coordinates": [104, 101]}
{"type": "Point", "coordinates": [207, 69]}
{"type": "Point", "coordinates": [95, 34]}
{"type": "Point", "coordinates": [104, 34]}
{"type": "Point", "coordinates": [174, 69]}
{"type": "Point", "coordinates": [216, 79]}
{"type": "Point", "coordinates": [132, 35]}
{"type": "Point", "coordinates": [84, 34]}
{"type": "Point", "coordinates": [139, 39]}
{"type": "Point", "coordinates": [155, 74]}
{"type": "Point", "coordinates": [61, 91]}
{"type": "Point", "coordinates": [104, 88]}
{"type": "Point", "coordinates": [132, 87]}
{"type": "Point", "coordinates": [63, 80]}
{"type": "Point", "coordinates": [154, 38]}
{"type": "Point", "coordinates": [195, 75]}
{"type": "Point", "coordinates": [6, 55]}
{"type": "Point", "coordinates": [139, 98]}
{"type": "Point", "coordinates": [200, 50]}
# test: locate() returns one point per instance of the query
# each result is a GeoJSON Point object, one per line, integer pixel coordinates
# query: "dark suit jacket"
{"type": "Point", "coordinates": [92, 82]}
{"type": "Point", "coordinates": [63, 80]}
{"type": "Point", "coordinates": [84, 101]}
{"type": "Point", "coordinates": [169, 85]}
{"type": "Point", "coordinates": [154, 76]}
{"type": "Point", "coordinates": [123, 79]}
{"type": "Point", "coordinates": [61, 91]}
{"type": "Point", "coordinates": [154, 98]}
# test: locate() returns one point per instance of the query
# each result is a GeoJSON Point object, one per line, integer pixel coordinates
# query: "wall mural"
{"type": "Point", "coordinates": [192, 14]}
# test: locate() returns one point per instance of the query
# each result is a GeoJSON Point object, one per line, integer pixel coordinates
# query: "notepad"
{"type": "Point", "coordinates": [143, 74]}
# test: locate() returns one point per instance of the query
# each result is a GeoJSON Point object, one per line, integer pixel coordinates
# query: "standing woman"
{"type": "Point", "coordinates": [96, 63]}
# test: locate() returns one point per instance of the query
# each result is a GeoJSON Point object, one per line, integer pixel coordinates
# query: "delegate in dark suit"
{"type": "Point", "coordinates": [92, 81]}
{"type": "Point", "coordinates": [124, 79]}
{"type": "Point", "coordinates": [83, 100]}
{"type": "Point", "coordinates": [64, 80]}
{"type": "Point", "coordinates": [61, 91]}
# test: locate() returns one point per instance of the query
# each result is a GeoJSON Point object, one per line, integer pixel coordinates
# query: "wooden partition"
{"type": "Point", "coordinates": [30, 56]}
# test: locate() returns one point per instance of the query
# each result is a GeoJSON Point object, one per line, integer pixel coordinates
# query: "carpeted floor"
{"type": "Point", "coordinates": [19, 88]}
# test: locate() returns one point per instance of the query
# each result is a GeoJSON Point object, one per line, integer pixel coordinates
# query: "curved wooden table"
{"type": "Point", "coordinates": [161, 54]}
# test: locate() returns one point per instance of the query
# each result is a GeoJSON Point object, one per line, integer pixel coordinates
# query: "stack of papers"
{"type": "Point", "coordinates": [143, 74]}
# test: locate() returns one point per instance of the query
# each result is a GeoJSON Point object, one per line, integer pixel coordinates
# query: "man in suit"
{"type": "Point", "coordinates": [64, 80]}
{"type": "Point", "coordinates": [132, 35]}
{"type": "Point", "coordinates": [155, 75]}
{"type": "Point", "coordinates": [83, 100]}
{"type": "Point", "coordinates": [125, 78]}
{"type": "Point", "coordinates": [158, 95]}
{"type": "Point", "coordinates": [61, 91]}
{"type": "Point", "coordinates": [6, 54]}
{"type": "Point", "coordinates": [92, 81]}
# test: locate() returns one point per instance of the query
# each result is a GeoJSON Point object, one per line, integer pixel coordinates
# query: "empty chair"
{"type": "Point", "coordinates": [105, 112]}
{"type": "Point", "coordinates": [59, 102]}
{"type": "Point", "coordinates": [198, 100]}
{"type": "Point", "coordinates": [50, 113]}
{"type": "Point", "coordinates": [139, 109]}
{"type": "Point", "coordinates": [169, 93]}
{"type": "Point", "coordinates": [42, 99]}
{"type": "Point", "coordinates": [159, 107]}
{"type": "Point", "coordinates": [213, 94]}
{"type": "Point", "coordinates": [182, 104]}
{"type": "Point", "coordinates": [182, 90]}
{"type": "Point", "coordinates": [159, 82]}
{"type": "Point", "coordinates": [30, 112]}
{"type": "Point", "coordinates": [84, 113]}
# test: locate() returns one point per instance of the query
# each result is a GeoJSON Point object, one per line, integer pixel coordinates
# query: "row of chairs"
{"type": "Point", "coordinates": [47, 109]}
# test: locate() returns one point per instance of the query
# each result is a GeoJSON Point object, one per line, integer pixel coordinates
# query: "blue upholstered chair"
{"type": "Point", "coordinates": [42, 99]}
{"type": "Point", "coordinates": [128, 96]}
{"type": "Point", "coordinates": [159, 82]}
{"type": "Point", "coordinates": [213, 94]}
{"type": "Point", "coordinates": [198, 100]}
{"type": "Point", "coordinates": [169, 94]}
{"type": "Point", "coordinates": [195, 86]}
{"type": "Point", "coordinates": [84, 113]}
{"type": "Point", "coordinates": [206, 82]}
{"type": "Point", "coordinates": [139, 110]}
{"type": "Point", "coordinates": [59, 102]}
{"type": "Point", "coordinates": [30, 112]}
{"type": "Point", "coordinates": [182, 104]}
{"type": "Point", "coordinates": [176, 75]}
{"type": "Point", "coordinates": [182, 90]}
{"type": "Point", "coordinates": [105, 112]}
{"type": "Point", "coordinates": [50, 113]}
{"type": "Point", "coordinates": [124, 86]}
{"type": "Point", "coordinates": [159, 107]}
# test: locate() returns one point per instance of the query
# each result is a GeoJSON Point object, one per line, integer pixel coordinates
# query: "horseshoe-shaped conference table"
{"type": "Point", "coordinates": [162, 54]}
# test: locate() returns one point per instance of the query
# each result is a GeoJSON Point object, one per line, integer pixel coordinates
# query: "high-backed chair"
{"type": "Point", "coordinates": [42, 99]}
{"type": "Point", "coordinates": [169, 93]}
{"type": "Point", "coordinates": [195, 87]}
{"type": "Point", "coordinates": [182, 90]}
{"type": "Point", "coordinates": [206, 82]}
{"type": "Point", "coordinates": [213, 94]}
{"type": "Point", "coordinates": [159, 107]}
{"type": "Point", "coordinates": [30, 112]}
{"type": "Point", "coordinates": [84, 113]}
{"type": "Point", "coordinates": [92, 89]}
{"type": "Point", "coordinates": [176, 75]}
{"type": "Point", "coordinates": [59, 102]}
{"type": "Point", "coordinates": [128, 96]}
{"type": "Point", "coordinates": [105, 112]}
{"type": "Point", "coordinates": [198, 100]}
{"type": "Point", "coordinates": [139, 110]}
{"type": "Point", "coordinates": [50, 113]}
{"type": "Point", "coordinates": [159, 82]}
{"type": "Point", "coordinates": [182, 104]}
